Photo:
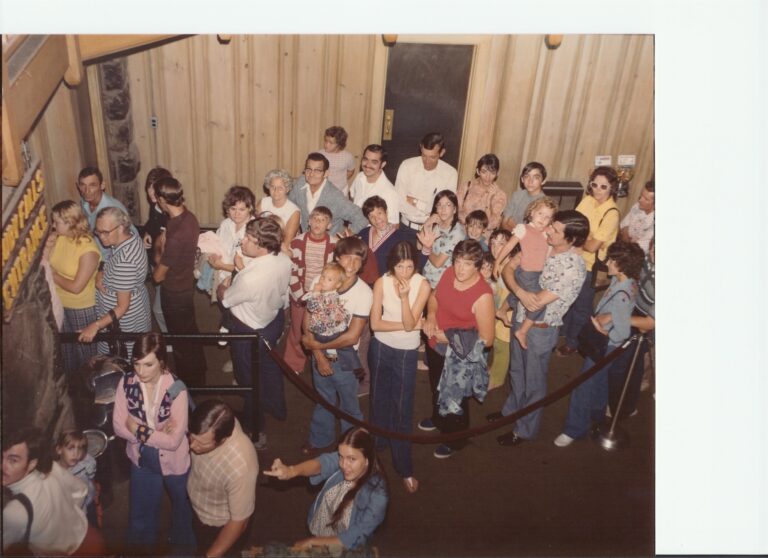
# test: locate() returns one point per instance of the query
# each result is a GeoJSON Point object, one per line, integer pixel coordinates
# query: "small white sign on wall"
{"type": "Point", "coordinates": [626, 160]}
{"type": "Point", "coordinates": [603, 160]}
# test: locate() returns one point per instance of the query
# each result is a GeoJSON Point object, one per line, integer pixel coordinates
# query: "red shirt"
{"type": "Point", "coordinates": [454, 307]}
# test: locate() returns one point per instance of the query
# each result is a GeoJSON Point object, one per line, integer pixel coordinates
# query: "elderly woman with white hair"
{"type": "Point", "coordinates": [123, 297]}
{"type": "Point", "coordinates": [277, 184]}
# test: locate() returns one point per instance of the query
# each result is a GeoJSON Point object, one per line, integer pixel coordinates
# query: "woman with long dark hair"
{"type": "Point", "coordinates": [353, 500]}
{"type": "Point", "coordinates": [151, 412]}
{"type": "Point", "coordinates": [399, 298]}
{"type": "Point", "coordinates": [440, 234]}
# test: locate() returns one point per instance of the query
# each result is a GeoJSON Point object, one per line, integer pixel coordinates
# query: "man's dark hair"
{"type": "Point", "coordinates": [432, 140]}
{"type": "Point", "coordinates": [350, 246]}
{"type": "Point", "coordinates": [376, 148]}
{"type": "Point", "coordinates": [170, 190]}
{"type": "Point", "coordinates": [318, 157]}
{"type": "Point", "coordinates": [576, 226]}
{"type": "Point", "coordinates": [38, 445]}
{"type": "Point", "coordinates": [89, 171]}
{"type": "Point", "coordinates": [469, 249]}
{"type": "Point", "coordinates": [268, 231]}
{"type": "Point", "coordinates": [215, 416]}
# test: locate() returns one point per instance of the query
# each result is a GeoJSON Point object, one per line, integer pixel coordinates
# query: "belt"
{"type": "Point", "coordinates": [411, 224]}
{"type": "Point", "coordinates": [541, 325]}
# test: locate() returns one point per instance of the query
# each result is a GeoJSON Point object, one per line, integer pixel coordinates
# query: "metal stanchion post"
{"type": "Point", "coordinates": [610, 437]}
{"type": "Point", "coordinates": [255, 375]}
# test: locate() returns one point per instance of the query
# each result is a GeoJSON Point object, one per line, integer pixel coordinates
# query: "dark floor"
{"type": "Point", "coordinates": [535, 499]}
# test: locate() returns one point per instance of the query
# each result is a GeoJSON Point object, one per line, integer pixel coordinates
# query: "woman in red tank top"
{"type": "Point", "coordinates": [462, 300]}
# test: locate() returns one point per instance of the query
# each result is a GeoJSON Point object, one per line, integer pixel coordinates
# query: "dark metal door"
{"type": "Point", "coordinates": [427, 91]}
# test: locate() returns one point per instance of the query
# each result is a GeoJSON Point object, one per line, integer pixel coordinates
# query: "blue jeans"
{"type": "Point", "coordinates": [528, 377]}
{"type": "Point", "coordinates": [271, 388]}
{"type": "Point", "coordinates": [588, 401]}
{"type": "Point", "coordinates": [146, 493]}
{"type": "Point", "coordinates": [579, 312]}
{"type": "Point", "coordinates": [342, 383]}
{"type": "Point", "coordinates": [393, 384]}
{"type": "Point", "coordinates": [528, 280]}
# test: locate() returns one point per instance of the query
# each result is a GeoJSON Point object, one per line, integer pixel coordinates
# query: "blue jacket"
{"type": "Point", "coordinates": [332, 198]}
{"type": "Point", "coordinates": [368, 508]}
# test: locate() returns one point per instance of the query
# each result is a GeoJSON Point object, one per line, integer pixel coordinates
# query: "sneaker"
{"type": "Point", "coordinates": [223, 329]}
{"type": "Point", "coordinates": [427, 425]}
{"type": "Point", "coordinates": [563, 440]}
{"type": "Point", "coordinates": [443, 452]}
{"type": "Point", "coordinates": [261, 443]}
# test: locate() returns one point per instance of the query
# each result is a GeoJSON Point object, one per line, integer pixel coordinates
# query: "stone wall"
{"type": "Point", "coordinates": [123, 153]}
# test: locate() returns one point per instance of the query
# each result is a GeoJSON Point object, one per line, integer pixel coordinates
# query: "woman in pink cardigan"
{"type": "Point", "coordinates": [151, 412]}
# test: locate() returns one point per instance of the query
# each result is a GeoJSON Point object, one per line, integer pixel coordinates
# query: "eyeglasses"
{"type": "Point", "coordinates": [105, 233]}
{"type": "Point", "coordinates": [595, 185]}
{"type": "Point", "coordinates": [313, 171]}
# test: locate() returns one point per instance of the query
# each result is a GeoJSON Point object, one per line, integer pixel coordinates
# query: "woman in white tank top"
{"type": "Point", "coordinates": [277, 183]}
{"type": "Point", "coordinates": [399, 298]}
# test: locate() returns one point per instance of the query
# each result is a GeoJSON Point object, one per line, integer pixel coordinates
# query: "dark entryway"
{"type": "Point", "coordinates": [427, 91]}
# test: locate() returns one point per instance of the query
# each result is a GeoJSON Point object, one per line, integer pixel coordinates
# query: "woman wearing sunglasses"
{"type": "Point", "coordinates": [599, 206]}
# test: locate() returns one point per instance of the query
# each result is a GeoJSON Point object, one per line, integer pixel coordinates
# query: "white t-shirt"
{"type": "Point", "coordinates": [285, 212]}
{"type": "Point", "coordinates": [362, 190]}
{"type": "Point", "coordinates": [392, 311]}
{"type": "Point", "coordinates": [357, 300]}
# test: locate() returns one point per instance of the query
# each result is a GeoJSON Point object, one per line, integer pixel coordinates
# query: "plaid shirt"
{"type": "Point", "coordinates": [222, 482]}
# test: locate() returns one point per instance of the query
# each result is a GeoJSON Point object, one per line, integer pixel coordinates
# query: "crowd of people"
{"type": "Point", "coordinates": [361, 280]}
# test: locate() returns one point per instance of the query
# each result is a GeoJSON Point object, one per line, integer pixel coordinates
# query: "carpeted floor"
{"type": "Point", "coordinates": [531, 500]}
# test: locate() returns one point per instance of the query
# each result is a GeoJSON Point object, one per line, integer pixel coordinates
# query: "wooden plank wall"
{"type": "Point", "coordinates": [230, 112]}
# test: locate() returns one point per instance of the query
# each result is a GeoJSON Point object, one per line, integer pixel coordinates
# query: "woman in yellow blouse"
{"type": "Point", "coordinates": [74, 259]}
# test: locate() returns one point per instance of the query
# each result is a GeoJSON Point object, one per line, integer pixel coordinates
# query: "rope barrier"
{"type": "Point", "coordinates": [453, 436]}
{"type": "Point", "coordinates": [310, 392]}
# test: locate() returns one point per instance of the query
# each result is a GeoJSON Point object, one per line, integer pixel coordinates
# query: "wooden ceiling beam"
{"type": "Point", "coordinates": [96, 46]}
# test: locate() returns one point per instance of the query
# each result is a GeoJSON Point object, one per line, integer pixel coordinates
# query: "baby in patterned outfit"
{"type": "Point", "coordinates": [328, 318]}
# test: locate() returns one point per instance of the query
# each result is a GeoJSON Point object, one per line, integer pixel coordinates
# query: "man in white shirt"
{"type": "Point", "coordinates": [371, 181]}
{"type": "Point", "coordinates": [420, 178]}
{"type": "Point", "coordinates": [54, 524]}
{"type": "Point", "coordinates": [638, 225]}
{"type": "Point", "coordinates": [256, 298]}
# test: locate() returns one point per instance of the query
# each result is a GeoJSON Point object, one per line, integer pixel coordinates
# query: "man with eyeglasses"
{"type": "Point", "coordinates": [313, 191]}
{"type": "Point", "coordinates": [420, 178]}
{"type": "Point", "coordinates": [90, 185]}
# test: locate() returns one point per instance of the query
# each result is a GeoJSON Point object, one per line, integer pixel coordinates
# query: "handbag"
{"type": "Point", "coordinates": [117, 347]}
{"type": "Point", "coordinates": [591, 343]}
{"type": "Point", "coordinates": [600, 266]}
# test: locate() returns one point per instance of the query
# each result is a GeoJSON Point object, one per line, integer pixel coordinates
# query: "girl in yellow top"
{"type": "Point", "coordinates": [74, 259]}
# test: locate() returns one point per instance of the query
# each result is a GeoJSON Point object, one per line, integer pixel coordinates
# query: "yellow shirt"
{"type": "Point", "coordinates": [605, 231]}
{"type": "Point", "coordinates": [65, 259]}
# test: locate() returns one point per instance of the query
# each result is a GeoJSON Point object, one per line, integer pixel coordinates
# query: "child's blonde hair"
{"type": "Point", "coordinates": [335, 266]}
{"type": "Point", "coordinates": [546, 201]}
{"type": "Point", "coordinates": [67, 436]}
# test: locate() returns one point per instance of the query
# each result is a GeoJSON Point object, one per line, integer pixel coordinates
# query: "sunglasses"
{"type": "Point", "coordinates": [595, 186]}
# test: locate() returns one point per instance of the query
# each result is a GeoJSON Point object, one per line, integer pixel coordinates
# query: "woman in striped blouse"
{"type": "Point", "coordinates": [122, 296]}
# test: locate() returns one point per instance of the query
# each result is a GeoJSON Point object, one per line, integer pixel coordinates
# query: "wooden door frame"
{"type": "Point", "coordinates": [483, 95]}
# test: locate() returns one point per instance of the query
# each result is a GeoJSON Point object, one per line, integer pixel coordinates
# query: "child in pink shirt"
{"type": "Point", "coordinates": [534, 249]}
